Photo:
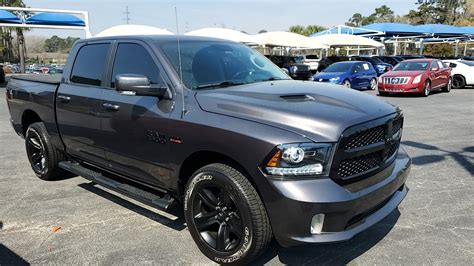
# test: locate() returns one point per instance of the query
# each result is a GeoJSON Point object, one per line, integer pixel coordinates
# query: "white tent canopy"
{"type": "Point", "coordinates": [286, 39]}
{"type": "Point", "coordinates": [344, 40]}
{"type": "Point", "coordinates": [221, 33]}
{"type": "Point", "coordinates": [122, 30]}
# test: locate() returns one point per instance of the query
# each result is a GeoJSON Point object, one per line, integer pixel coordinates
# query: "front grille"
{"type": "Point", "coordinates": [359, 164]}
{"type": "Point", "coordinates": [396, 80]}
{"type": "Point", "coordinates": [366, 137]}
{"type": "Point", "coordinates": [366, 149]}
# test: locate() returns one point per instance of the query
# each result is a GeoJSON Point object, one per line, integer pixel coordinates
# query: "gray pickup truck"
{"type": "Point", "coordinates": [217, 128]}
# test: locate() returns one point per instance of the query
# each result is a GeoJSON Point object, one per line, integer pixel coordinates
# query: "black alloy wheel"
{"type": "Point", "coordinates": [458, 82]}
{"type": "Point", "coordinates": [225, 215]}
{"type": "Point", "coordinates": [217, 218]}
{"type": "Point", "coordinates": [43, 156]}
{"type": "Point", "coordinates": [36, 152]}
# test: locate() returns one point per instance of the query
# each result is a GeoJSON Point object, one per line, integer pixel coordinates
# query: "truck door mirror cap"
{"type": "Point", "coordinates": [140, 85]}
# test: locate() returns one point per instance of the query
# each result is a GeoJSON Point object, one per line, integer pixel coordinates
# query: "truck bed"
{"type": "Point", "coordinates": [48, 79]}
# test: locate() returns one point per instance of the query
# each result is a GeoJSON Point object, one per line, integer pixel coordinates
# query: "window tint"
{"type": "Point", "coordinates": [90, 64]}
{"type": "Point", "coordinates": [133, 58]}
{"type": "Point", "coordinates": [357, 68]}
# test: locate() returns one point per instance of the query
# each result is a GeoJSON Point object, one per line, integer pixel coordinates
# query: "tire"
{"type": "Point", "coordinates": [426, 89]}
{"type": "Point", "coordinates": [346, 83]}
{"type": "Point", "coordinates": [373, 85]}
{"type": "Point", "coordinates": [458, 82]}
{"type": "Point", "coordinates": [43, 157]}
{"type": "Point", "coordinates": [448, 86]}
{"type": "Point", "coordinates": [243, 222]}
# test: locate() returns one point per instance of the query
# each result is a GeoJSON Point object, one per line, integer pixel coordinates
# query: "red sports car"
{"type": "Point", "coordinates": [418, 76]}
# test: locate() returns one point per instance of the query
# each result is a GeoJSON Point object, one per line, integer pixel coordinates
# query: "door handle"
{"type": "Point", "coordinates": [64, 98]}
{"type": "Point", "coordinates": [111, 107]}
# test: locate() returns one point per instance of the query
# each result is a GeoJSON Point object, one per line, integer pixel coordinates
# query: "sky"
{"type": "Point", "coordinates": [246, 15]}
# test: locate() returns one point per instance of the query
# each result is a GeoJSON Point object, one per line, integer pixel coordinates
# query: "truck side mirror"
{"type": "Point", "coordinates": [140, 85]}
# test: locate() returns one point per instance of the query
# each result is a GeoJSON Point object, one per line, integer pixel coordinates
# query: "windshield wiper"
{"type": "Point", "coordinates": [219, 84]}
{"type": "Point", "coordinates": [268, 79]}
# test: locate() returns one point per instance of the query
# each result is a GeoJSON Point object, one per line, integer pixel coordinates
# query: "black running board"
{"type": "Point", "coordinates": [163, 203]}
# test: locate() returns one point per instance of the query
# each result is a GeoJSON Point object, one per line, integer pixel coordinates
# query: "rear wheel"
{"type": "Point", "coordinates": [225, 215]}
{"type": "Point", "coordinates": [43, 157]}
{"type": "Point", "coordinates": [426, 89]}
{"type": "Point", "coordinates": [346, 83]}
{"type": "Point", "coordinates": [458, 82]}
{"type": "Point", "coordinates": [448, 86]}
{"type": "Point", "coordinates": [373, 84]}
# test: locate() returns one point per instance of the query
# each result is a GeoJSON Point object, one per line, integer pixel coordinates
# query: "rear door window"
{"type": "Point", "coordinates": [90, 63]}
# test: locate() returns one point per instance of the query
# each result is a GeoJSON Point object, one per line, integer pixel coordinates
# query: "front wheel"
{"type": "Point", "coordinates": [225, 215]}
{"type": "Point", "coordinates": [346, 83]}
{"type": "Point", "coordinates": [426, 89]}
{"type": "Point", "coordinates": [373, 84]}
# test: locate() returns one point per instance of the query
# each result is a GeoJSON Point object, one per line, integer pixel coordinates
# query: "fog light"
{"type": "Point", "coordinates": [317, 224]}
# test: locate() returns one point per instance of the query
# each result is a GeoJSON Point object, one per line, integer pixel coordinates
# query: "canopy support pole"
{"type": "Point", "coordinates": [456, 48]}
{"type": "Point", "coordinates": [465, 48]}
{"type": "Point", "coordinates": [358, 49]}
{"type": "Point", "coordinates": [422, 46]}
{"type": "Point", "coordinates": [395, 46]}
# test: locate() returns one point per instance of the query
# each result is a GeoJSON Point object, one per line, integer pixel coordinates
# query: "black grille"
{"type": "Point", "coordinates": [366, 137]}
{"type": "Point", "coordinates": [359, 164]}
{"type": "Point", "coordinates": [366, 149]}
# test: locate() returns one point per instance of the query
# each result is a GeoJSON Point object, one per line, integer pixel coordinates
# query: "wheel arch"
{"type": "Point", "coordinates": [27, 118]}
{"type": "Point", "coordinates": [202, 158]}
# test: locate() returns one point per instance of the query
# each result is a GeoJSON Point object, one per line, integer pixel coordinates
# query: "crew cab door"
{"type": "Point", "coordinates": [78, 102]}
{"type": "Point", "coordinates": [135, 127]}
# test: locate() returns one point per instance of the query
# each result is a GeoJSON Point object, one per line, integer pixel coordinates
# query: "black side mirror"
{"type": "Point", "coordinates": [140, 85]}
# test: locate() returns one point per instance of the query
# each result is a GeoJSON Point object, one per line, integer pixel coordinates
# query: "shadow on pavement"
{"type": "Point", "coordinates": [461, 157]}
{"type": "Point", "coordinates": [178, 224]}
{"type": "Point", "coordinates": [332, 254]}
{"type": "Point", "coordinates": [8, 257]}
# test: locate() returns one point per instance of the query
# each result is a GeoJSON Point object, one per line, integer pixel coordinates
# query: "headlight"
{"type": "Point", "coordinates": [300, 159]}
{"type": "Point", "coordinates": [417, 79]}
{"type": "Point", "coordinates": [293, 69]}
{"type": "Point", "coordinates": [335, 79]}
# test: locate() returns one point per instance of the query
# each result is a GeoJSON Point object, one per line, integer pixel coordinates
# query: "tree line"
{"type": "Point", "coordinates": [452, 12]}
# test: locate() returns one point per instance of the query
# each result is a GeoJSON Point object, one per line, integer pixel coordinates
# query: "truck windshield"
{"type": "Point", "coordinates": [412, 66]}
{"type": "Point", "coordinates": [212, 64]}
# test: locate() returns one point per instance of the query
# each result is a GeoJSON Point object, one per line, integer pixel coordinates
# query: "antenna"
{"type": "Point", "coordinates": [179, 63]}
{"type": "Point", "coordinates": [127, 18]}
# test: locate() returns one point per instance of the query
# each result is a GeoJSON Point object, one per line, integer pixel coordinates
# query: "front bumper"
{"type": "Point", "coordinates": [348, 209]}
{"type": "Point", "coordinates": [401, 88]}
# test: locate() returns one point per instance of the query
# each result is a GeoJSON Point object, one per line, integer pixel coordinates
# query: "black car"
{"type": "Point", "coordinates": [221, 134]}
{"type": "Point", "coordinates": [296, 70]}
{"type": "Point", "coordinates": [392, 60]}
{"type": "Point", "coordinates": [327, 61]}
{"type": "Point", "coordinates": [2, 74]}
{"type": "Point", "coordinates": [406, 57]}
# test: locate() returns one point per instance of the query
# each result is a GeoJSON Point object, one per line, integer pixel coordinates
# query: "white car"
{"type": "Point", "coordinates": [310, 60]}
{"type": "Point", "coordinates": [462, 72]}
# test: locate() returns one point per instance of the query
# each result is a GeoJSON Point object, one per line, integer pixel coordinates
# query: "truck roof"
{"type": "Point", "coordinates": [157, 38]}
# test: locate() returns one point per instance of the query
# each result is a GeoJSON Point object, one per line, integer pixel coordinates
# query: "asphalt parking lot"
{"type": "Point", "coordinates": [72, 221]}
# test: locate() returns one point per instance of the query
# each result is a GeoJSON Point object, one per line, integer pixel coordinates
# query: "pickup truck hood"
{"type": "Point", "coordinates": [317, 111]}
